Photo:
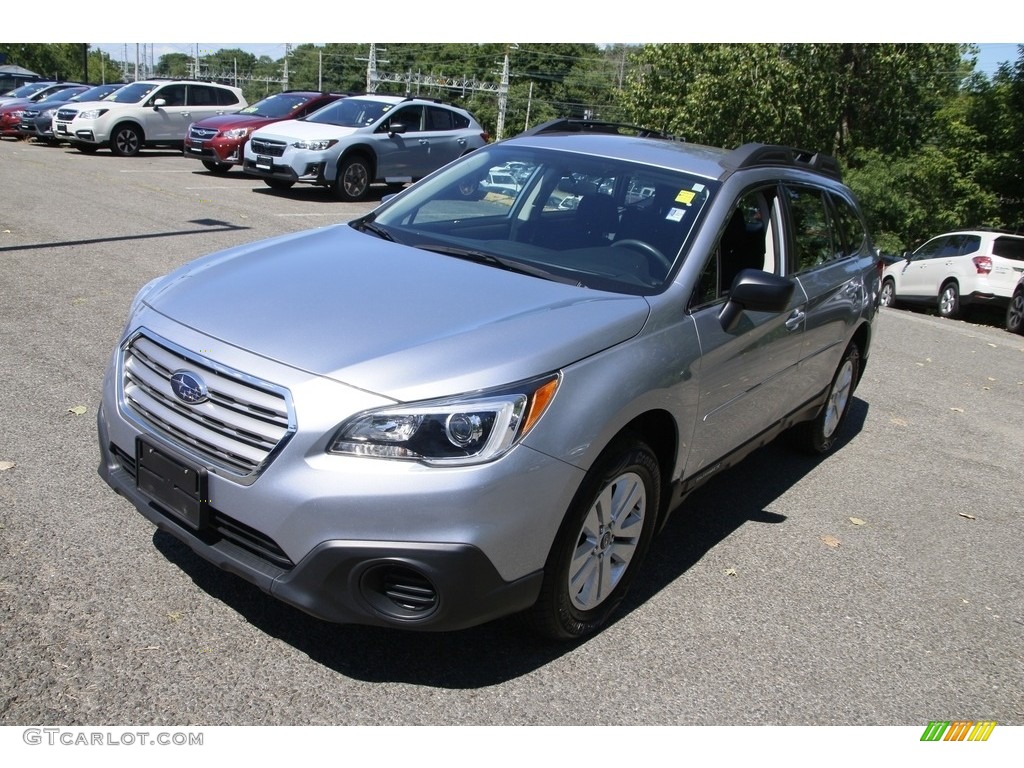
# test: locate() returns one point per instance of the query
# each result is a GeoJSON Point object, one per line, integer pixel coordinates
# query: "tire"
{"type": "Point", "coordinates": [86, 149]}
{"type": "Point", "coordinates": [126, 141]}
{"type": "Point", "coordinates": [818, 437]}
{"type": "Point", "coordinates": [601, 543]}
{"type": "Point", "coordinates": [949, 301]}
{"type": "Point", "coordinates": [887, 296]}
{"type": "Point", "coordinates": [279, 184]}
{"type": "Point", "coordinates": [1015, 313]}
{"type": "Point", "coordinates": [214, 167]}
{"type": "Point", "coordinates": [353, 179]}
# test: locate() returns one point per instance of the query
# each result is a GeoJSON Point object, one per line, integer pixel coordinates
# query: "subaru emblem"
{"type": "Point", "coordinates": [189, 388]}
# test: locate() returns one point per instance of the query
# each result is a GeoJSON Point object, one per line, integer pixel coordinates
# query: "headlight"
{"type": "Point", "coordinates": [469, 429]}
{"type": "Point", "coordinates": [237, 133]}
{"type": "Point", "coordinates": [319, 144]}
{"type": "Point", "coordinates": [92, 114]}
{"type": "Point", "coordinates": [48, 112]}
{"type": "Point", "coordinates": [15, 113]}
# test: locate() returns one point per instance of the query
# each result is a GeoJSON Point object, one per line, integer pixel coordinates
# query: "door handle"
{"type": "Point", "coordinates": [795, 320]}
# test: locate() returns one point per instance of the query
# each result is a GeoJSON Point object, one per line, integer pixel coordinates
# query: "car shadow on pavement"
{"type": "Point", "coordinates": [505, 649]}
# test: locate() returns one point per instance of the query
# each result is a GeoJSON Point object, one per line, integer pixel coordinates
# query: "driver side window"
{"type": "Point", "coordinates": [749, 241]}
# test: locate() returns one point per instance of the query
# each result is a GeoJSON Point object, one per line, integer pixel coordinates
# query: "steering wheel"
{"type": "Point", "coordinates": [647, 248]}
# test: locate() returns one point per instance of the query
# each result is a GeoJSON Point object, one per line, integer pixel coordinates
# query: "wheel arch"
{"type": "Point", "coordinates": [658, 430]}
{"type": "Point", "coordinates": [123, 121]}
{"type": "Point", "coordinates": [364, 150]}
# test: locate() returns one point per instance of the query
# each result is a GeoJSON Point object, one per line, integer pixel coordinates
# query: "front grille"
{"type": "Point", "coordinates": [267, 147]}
{"type": "Point", "coordinates": [66, 115]}
{"type": "Point", "coordinates": [28, 114]}
{"type": "Point", "coordinates": [237, 427]}
{"type": "Point", "coordinates": [201, 134]}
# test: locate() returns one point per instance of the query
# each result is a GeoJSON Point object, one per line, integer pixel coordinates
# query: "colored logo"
{"type": "Point", "coordinates": [188, 387]}
{"type": "Point", "coordinates": [958, 730]}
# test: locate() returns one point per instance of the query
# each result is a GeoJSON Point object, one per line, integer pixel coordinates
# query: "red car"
{"type": "Point", "coordinates": [219, 141]}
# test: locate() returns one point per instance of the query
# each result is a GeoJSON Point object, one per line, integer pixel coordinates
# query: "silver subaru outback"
{"type": "Point", "coordinates": [474, 402]}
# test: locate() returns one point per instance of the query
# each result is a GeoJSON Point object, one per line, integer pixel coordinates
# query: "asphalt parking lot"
{"type": "Point", "coordinates": [880, 586]}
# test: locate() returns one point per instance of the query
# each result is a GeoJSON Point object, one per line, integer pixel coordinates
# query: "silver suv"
{"type": "Point", "coordinates": [472, 403]}
{"type": "Point", "coordinates": [356, 141]}
{"type": "Point", "coordinates": [147, 113]}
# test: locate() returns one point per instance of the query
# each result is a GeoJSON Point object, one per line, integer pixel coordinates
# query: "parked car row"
{"type": "Point", "coordinates": [340, 141]}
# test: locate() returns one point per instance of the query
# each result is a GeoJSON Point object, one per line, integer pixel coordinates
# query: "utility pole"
{"type": "Point", "coordinates": [502, 100]}
{"type": "Point", "coordinates": [287, 51]}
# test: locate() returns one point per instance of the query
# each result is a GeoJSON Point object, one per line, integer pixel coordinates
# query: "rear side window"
{"type": "Point", "coordinates": [814, 242]}
{"type": "Point", "coordinates": [202, 96]}
{"type": "Point", "coordinates": [1009, 248]}
{"type": "Point", "coordinates": [225, 98]}
{"type": "Point", "coordinates": [850, 227]}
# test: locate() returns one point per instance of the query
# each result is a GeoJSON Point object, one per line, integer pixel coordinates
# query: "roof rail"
{"type": "Point", "coordinates": [581, 125]}
{"type": "Point", "coordinates": [767, 155]}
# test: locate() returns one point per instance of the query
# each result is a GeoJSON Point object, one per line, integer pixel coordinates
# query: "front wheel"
{"type": "Point", "coordinates": [1015, 313]}
{"type": "Point", "coordinates": [353, 179]}
{"type": "Point", "coordinates": [279, 184]}
{"type": "Point", "coordinates": [85, 149]}
{"type": "Point", "coordinates": [818, 437]}
{"type": "Point", "coordinates": [126, 141]}
{"type": "Point", "coordinates": [887, 297]}
{"type": "Point", "coordinates": [601, 543]}
{"type": "Point", "coordinates": [214, 167]}
{"type": "Point", "coordinates": [949, 301]}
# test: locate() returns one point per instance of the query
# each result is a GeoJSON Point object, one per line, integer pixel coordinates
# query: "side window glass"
{"type": "Point", "coordinates": [225, 98]}
{"type": "Point", "coordinates": [970, 244]}
{"type": "Point", "coordinates": [439, 119]}
{"type": "Point", "coordinates": [201, 96]}
{"type": "Point", "coordinates": [749, 241]}
{"type": "Point", "coordinates": [849, 225]}
{"type": "Point", "coordinates": [407, 116]}
{"type": "Point", "coordinates": [173, 95]}
{"type": "Point", "coordinates": [930, 249]}
{"type": "Point", "coordinates": [812, 235]}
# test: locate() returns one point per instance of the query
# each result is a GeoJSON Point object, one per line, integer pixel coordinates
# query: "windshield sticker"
{"type": "Point", "coordinates": [675, 214]}
{"type": "Point", "coordinates": [685, 196]}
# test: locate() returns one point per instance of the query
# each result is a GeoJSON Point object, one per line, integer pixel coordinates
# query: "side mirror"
{"type": "Point", "coordinates": [157, 103]}
{"type": "Point", "coordinates": [394, 128]}
{"type": "Point", "coordinates": [757, 291]}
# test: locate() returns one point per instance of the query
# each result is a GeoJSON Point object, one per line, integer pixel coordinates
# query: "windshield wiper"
{"type": "Point", "coordinates": [491, 260]}
{"type": "Point", "coordinates": [366, 225]}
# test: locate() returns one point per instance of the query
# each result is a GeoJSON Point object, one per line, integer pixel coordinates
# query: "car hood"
{"type": "Point", "coordinates": [226, 122]}
{"type": "Point", "coordinates": [390, 319]}
{"type": "Point", "coordinates": [301, 129]}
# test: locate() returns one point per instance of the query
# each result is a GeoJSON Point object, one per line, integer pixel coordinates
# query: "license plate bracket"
{"type": "Point", "coordinates": [179, 487]}
{"type": "Point", "coordinates": [265, 163]}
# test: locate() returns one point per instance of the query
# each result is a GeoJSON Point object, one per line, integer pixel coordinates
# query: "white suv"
{"type": "Point", "coordinates": [355, 141]}
{"type": "Point", "coordinates": [957, 269]}
{"type": "Point", "coordinates": [147, 113]}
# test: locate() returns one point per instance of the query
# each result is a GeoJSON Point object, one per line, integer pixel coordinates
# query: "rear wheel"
{"type": "Point", "coordinates": [126, 141]}
{"type": "Point", "coordinates": [949, 301]}
{"type": "Point", "coordinates": [1015, 313]}
{"type": "Point", "coordinates": [602, 541]}
{"type": "Point", "coordinates": [819, 436]}
{"type": "Point", "coordinates": [214, 167]}
{"type": "Point", "coordinates": [353, 179]}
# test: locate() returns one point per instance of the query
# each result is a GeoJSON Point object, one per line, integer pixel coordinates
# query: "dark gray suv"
{"type": "Point", "coordinates": [471, 403]}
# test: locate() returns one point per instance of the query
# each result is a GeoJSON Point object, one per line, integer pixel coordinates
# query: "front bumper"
{"type": "Point", "coordinates": [294, 166]}
{"type": "Point", "coordinates": [217, 150]}
{"type": "Point", "coordinates": [401, 584]}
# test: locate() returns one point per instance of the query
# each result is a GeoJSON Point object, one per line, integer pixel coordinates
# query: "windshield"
{"type": "Point", "coordinates": [65, 94]}
{"type": "Point", "coordinates": [132, 94]}
{"type": "Point", "coordinates": [350, 113]}
{"type": "Point", "coordinates": [98, 92]}
{"type": "Point", "coordinates": [604, 224]}
{"type": "Point", "coordinates": [277, 106]}
{"type": "Point", "coordinates": [24, 91]}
